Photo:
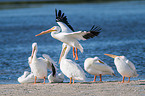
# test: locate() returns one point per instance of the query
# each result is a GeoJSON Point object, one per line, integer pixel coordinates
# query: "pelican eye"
{"type": "Point", "coordinates": [52, 27]}
{"type": "Point", "coordinates": [118, 58]}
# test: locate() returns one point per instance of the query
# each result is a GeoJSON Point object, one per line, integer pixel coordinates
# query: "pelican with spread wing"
{"type": "Point", "coordinates": [40, 65]}
{"type": "Point", "coordinates": [66, 34]}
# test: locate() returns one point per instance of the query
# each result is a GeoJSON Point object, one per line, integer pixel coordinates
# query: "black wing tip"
{"type": "Point", "coordinates": [88, 36]}
{"type": "Point", "coordinates": [60, 17]}
{"type": "Point", "coordinates": [93, 32]}
{"type": "Point", "coordinates": [53, 70]}
{"type": "Point", "coordinates": [97, 28]}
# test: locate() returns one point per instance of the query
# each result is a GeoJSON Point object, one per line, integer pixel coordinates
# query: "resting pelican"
{"type": "Point", "coordinates": [54, 77]}
{"type": "Point", "coordinates": [39, 65]}
{"type": "Point", "coordinates": [27, 77]}
{"type": "Point", "coordinates": [70, 68]}
{"type": "Point", "coordinates": [97, 67]}
{"type": "Point", "coordinates": [65, 33]}
{"type": "Point", "coordinates": [57, 78]}
{"type": "Point", "coordinates": [125, 67]}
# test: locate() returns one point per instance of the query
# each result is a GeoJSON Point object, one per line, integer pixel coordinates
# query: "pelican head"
{"type": "Point", "coordinates": [34, 45]}
{"type": "Point", "coordinates": [98, 59]}
{"type": "Point", "coordinates": [34, 50]}
{"type": "Point", "coordinates": [53, 29]}
{"type": "Point", "coordinates": [115, 56]}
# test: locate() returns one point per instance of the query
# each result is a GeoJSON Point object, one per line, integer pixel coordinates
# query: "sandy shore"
{"type": "Point", "coordinates": [134, 88]}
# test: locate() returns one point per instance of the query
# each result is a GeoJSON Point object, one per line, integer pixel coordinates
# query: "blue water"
{"type": "Point", "coordinates": [123, 33]}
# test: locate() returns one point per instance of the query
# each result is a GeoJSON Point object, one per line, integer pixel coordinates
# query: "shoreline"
{"type": "Point", "coordinates": [56, 1]}
{"type": "Point", "coordinates": [105, 88]}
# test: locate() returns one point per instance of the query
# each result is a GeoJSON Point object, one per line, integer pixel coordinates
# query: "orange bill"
{"type": "Point", "coordinates": [110, 55]}
{"type": "Point", "coordinates": [45, 32]}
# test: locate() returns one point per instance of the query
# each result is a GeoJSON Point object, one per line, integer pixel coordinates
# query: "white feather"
{"type": "Point", "coordinates": [64, 27]}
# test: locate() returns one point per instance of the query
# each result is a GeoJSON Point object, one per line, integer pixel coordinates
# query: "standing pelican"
{"type": "Point", "coordinates": [97, 67]}
{"type": "Point", "coordinates": [65, 33]}
{"type": "Point", "coordinates": [125, 67]}
{"type": "Point", "coordinates": [39, 65]}
{"type": "Point", "coordinates": [68, 67]}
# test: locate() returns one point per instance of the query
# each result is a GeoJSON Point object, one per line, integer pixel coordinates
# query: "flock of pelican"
{"type": "Point", "coordinates": [70, 38]}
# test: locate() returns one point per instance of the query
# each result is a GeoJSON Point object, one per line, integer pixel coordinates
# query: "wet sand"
{"type": "Point", "coordinates": [106, 88]}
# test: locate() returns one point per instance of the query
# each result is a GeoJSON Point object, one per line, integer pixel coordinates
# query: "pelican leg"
{"type": "Point", "coordinates": [123, 80]}
{"type": "Point", "coordinates": [35, 80]}
{"type": "Point", "coordinates": [70, 80]}
{"type": "Point", "coordinates": [73, 81]}
{"type": "Point", "coordinates": [94, 78]}
{"type": "Point", "coordinates": [73, 52]}
{"type": "Point", "coordinates": [128, 79]}
{"type": "Point", "coordinates": [100, 77]}
{"type": "Point", "coordinates": [76, 54]}
{"type": "Point", "coordinates": [44, 81]}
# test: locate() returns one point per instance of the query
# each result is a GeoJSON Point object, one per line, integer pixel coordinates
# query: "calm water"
{"type": "Point", "coordinates": [123, 33]}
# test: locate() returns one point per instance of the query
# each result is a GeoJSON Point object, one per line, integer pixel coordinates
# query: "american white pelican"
{"type": "Point", "coordinates": [125, 67]}
{"type": "Point", "coordinates": [39, 65]}
{"type": "Point", "coordinates": [65, 33]}
{"type": "Point", "coordinates": [68, 67]}
{"type": "Point", "coordinates": [97, 67]}
{"type": "Point", "coordinates": [27, 77]}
